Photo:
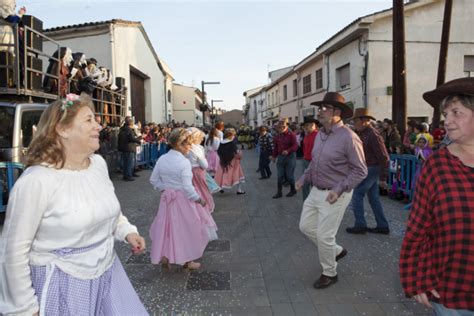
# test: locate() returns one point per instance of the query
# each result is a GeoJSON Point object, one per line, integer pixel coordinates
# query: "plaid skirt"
{"type": "Point", "coordinates": [61, 294]}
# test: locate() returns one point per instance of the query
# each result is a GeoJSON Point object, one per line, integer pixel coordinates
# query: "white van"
{"type": "Point", "coordinates": [18, 122]}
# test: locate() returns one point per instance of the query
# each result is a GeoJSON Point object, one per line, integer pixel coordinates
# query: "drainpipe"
{"type": "Point", "coordinates": [166, 98]}
{"type": "Point", "coordinates": [364, 54]}
{"type": "Point", "coordinates": [300, 108]}
{"type": "Point", "coordinates": [327, 71]}
{"type": "Point", "coordinates": [112, 48]}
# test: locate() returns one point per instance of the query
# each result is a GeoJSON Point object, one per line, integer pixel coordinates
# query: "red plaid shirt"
{"type": "Point", "coordinates": [438, 248]}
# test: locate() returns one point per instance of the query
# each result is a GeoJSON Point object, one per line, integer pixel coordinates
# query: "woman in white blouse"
{"type": "Point", "coordinates": [199, 164]}
{"type": "Point", "coordinates": [211, 145]}
{"type": "Point", "coordinates": [57, 249]}
{"type": "Point", "coordinates": [180, 230]}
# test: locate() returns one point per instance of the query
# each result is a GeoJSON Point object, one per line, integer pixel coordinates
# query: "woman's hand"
{"type": "Point", "coordinates": [423, 298]}
{"type": "Point", "coordinates": [137, 242]}
{"type": "Point", "coordinates": [201, 201]}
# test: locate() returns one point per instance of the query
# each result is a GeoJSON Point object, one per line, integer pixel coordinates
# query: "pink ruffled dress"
{"type": "Point", "coordinates": [181, 228]}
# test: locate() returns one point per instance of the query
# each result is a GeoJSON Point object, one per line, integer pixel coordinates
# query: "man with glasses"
{"type": "Point", "coordinates": [336, 168]}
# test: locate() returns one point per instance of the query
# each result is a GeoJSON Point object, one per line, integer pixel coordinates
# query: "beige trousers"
{"type": "Point", "coordinates": [320, 221]}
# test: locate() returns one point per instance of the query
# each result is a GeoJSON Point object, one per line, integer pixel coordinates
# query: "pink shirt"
{"type": "Point", "coordinates": [338, 161]}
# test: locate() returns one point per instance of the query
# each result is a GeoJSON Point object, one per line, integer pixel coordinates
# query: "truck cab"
{"type": "Point", "coordinates": [18, 123]}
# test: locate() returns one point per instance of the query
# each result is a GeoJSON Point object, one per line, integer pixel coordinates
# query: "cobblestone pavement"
{"type": "Point", "coordinates": [262, 264]}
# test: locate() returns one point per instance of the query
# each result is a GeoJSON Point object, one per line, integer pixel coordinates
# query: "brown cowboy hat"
{"type": "Point", "coordinates": [336, 100]}
{"type": "Point", "coordinates": [456, 86]}
{"type": "Point", "coordinates": [361, 113]}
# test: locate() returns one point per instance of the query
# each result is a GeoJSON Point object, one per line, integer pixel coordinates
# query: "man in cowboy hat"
{"type": "Point", "coordinates": [284, 153]}
{"type": "Point", "coordinates": [336, 168]}
{"type": "Point", "coordinates": [310, 126]}
{"type": "Point", "coordinates": [376, 158]}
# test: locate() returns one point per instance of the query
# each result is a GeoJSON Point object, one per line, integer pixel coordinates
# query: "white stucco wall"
{"type": "Point", "coordinates": [273, 101]}
{"type": "Point", "coordinates": [184, 105]}
{"type": "Point", "coordinates": [423, 33]}
{"type": "Point", "coordinates": [169, 103]}
{"type": "Point", "coordinates": [131, 49]}
{"type": "Point", "coordinates": [97, 46]}
{"type": "Point", "coordinates": [257, 109]}
{"type": "Point", "coordinates": [349, 54]}
{"type": "Point", "coordinates": [315, 94]}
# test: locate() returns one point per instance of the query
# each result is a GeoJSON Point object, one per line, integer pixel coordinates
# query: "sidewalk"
{"type": "Point", "coordinates": [262, 264]}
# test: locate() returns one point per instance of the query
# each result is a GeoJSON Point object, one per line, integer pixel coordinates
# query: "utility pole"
{"type": "Point", "coordinates": [443, 56]}
{"type": "Point", "coordinates": [204, 106]}
{"type": "Point", "coordinates": [399, 97]}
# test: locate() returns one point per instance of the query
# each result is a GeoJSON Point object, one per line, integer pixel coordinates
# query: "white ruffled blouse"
{"type": "Point", "coordinates": [50, 209]}
{"type": "Point", "coordinates": [197, 157]}
{"type": "Point", "coordinates": [173, 171]}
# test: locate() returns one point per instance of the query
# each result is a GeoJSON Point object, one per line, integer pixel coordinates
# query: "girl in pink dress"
{"type": "Point", "coordinates": [182, 227]}
{"type": "Point", "coordinates": [211, 144]}
{"type": "Point", "coordinates": [229, 172]}
{"type": "Point", "coordinates": [199, 165]}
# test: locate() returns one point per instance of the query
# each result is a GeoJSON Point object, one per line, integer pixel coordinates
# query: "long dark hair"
{"type": "Point", "coordinates": [210, 137]}
{"type": "Point", "coordinates": [226, 153]}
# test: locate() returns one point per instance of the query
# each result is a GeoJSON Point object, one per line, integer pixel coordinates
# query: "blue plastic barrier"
{"type": "Point", "coordinates": [163, 149]}
{"type": "Point", "coordinates": [143, 155]}
{"type": "Point", "coordinates": [402, 173]}
{"type": "Point", "coordinates": [154, 154]}
{"type": "Point", "coordinates": [9, 172]}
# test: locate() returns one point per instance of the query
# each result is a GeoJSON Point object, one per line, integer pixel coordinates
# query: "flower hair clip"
{"type": "Point", "coordinates": [68, 101]}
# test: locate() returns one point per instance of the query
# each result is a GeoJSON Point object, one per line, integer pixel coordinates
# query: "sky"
{"type": "Point", "coordinates": [235, 42]}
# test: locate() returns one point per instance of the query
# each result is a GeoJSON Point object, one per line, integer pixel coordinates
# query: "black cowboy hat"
{"type": "Point", "coordinates": [336, 100]}
{"type": "Point", "coordinates": [453, 87]}
{"type": "Point", "coordinates": [310, 119]}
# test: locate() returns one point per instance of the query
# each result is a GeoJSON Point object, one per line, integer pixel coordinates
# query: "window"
{"type": "Point", "coordinates": [343, 77]}
{"type": "Point", "coordinates": [295, 88]}
{"type": "Point", "coordinates": [469, 65]}
{"type": "Point", "coordinates": [319, 79]}
{"type": "Point", "coordinates": [307, 84]}
{"type": "Point", "coordinates": [29, 121]}
{"type": "Point", "coordinates": [7, 118]}
{"type": "Point", "coordinates": [169, 96]}
{"type": "Point", "coordinates": [285, 93]}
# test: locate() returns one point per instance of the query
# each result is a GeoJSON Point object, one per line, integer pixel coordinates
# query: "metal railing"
{"type": "Point", "coordinates": [402, 174]}
{"type": "Point", "coordinates": [19, 73]}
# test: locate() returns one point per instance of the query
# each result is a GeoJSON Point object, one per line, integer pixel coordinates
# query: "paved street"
{"type": "Point", "coordinates": [262, 264]}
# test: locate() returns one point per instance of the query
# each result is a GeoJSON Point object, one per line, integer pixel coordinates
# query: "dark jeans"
{"type": "Point", "coordinates": [264, 163]}
{"type": "Point", "coordinates": [369, 186]}
{"type": "Point", "coordinates": [286, 168]}
{"type": "Point", "coordinates": [127, 164]}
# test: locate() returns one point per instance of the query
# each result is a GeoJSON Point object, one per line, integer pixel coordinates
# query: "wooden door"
{"type": "Point", "coordinates": [137, 96]}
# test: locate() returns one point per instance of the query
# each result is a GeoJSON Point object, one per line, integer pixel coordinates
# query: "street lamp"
{"type": "Point", "coordinates": [204, 107]}
{"type": "Point", "coordinates": [213, 115]}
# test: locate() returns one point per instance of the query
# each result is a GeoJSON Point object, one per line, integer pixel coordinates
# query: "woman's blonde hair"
{"type": "Point", "coordinates": [229, 132]}
{"type": "Point", "coordinates": [46, 146]}
{"type": "Point", "coordinates": [195, 133]}
{"type": "Point", "coordinates": [179, 136]}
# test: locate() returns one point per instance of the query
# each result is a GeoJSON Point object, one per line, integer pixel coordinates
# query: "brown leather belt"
{"type": "Point", "coordinates": [323, 189]}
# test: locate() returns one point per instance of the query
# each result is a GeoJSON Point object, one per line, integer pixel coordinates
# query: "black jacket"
{"type": "Point", "coordinates": [127, 141]}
